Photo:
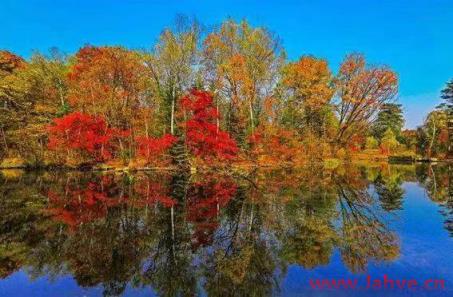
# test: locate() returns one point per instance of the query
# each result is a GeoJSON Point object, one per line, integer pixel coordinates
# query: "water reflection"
{"type": "Point", "coordinates": [438, 182]}
{"type": "Point", "coordinates": [185, 235]}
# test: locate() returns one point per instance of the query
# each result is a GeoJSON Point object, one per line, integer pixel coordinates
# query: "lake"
{"type": "Point", "coordinates": [383, 230]}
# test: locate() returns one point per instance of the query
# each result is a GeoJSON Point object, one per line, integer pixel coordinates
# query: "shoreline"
{"type": "Point", "coordinates": [194, 169]}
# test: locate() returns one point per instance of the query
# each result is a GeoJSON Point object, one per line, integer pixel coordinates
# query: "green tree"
{"type": "Point", "coordinates": [389, 117]}
{"type": "Point", "coordinates": [371, 142]}
{"type": "Point", "coordinates": [431, 137]}
{"type": "Point", "coordinates": [388, 141]}
{"type": "Point", "coordinates": [389, 191]}
{"type": "Point", "coordinates": [447, 95]}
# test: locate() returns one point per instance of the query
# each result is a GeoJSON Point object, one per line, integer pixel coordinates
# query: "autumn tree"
{"type": "Point", "coordinates": [171, 67]}
{"type": "Point", "coordinates": [108, 81]}
{"type": "Point", "coordinates": [432, 137]}
{"type": "Point", "coordinates": [309, 90]}
{"type": "Point", "coordinates": [152, 149]}
{"type": "Point", "coordinates": [33, 93]}
{"type": "Point", "coordinates": [48, 76]}
{"type": "Point", "coordinates": [46, 79]}
{"type": "Point", "coordinates": [362, 91]}
{"type": "Point", "coordinates": [111, 82]}
{"type": "Point", "coordinates": [12, 93]}
{"type": "Point", "coordinates": [85, 137]}
{"type": "Point", "coordinates": [389, 141]}
{"type": "Point", "coordinates": [203, 137]}
{"type": "Point", "coordinates": [241, 65]}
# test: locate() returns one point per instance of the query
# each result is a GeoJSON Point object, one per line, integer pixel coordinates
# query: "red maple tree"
{"type": "Point", "coordinates": [204, 138]}
{"type": "Point", "coordinates": [152, 149]}
{"type": "Point", "coordinates": [84, 134]}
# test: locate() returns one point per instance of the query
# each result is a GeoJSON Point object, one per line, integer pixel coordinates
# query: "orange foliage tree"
{"type": "Point", "coordinates": [309, 85]}
{"type": "Point", "coordinates": [362, 91]}
{"type": "Point", "coordinates": [109, 81]}
{"type": "Point", "coordinates": [241, 65]}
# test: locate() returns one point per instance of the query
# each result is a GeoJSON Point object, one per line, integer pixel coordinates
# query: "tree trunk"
{"type": "Point", "coordinates": [252, 121]}
{"type": "Point", "coordinates": [450, 134]}
{"type": "Point", "coordinates": [4, 140]}
{"type": "Point", "coordinates": [432, 140]}
{"type": "Point", "coordinates": [172, 127]}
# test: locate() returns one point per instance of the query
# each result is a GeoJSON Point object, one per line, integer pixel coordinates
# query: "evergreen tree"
{"type": "Point", "coordinates": [447, 95]}
{"type": "Point", "coordinates": [390, 117]}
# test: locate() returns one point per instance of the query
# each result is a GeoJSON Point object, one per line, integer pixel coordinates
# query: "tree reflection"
{"type": "Point", "coordinates": [438, 182]}
{"type": "Point", "coordinates": [177, 233]}
{"type": "Point", "coordinates": [389, 191]}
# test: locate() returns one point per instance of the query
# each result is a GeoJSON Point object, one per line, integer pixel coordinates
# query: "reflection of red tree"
{"type": "Point", "coordinates": [204, 202]}
{"type": "Point", "coordinates": [150, 193]}
{"type": "Point", "coordinates": [80, 206]}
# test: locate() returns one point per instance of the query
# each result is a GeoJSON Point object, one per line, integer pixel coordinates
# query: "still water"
{"type": "Point", "coordinates": [350, 231]}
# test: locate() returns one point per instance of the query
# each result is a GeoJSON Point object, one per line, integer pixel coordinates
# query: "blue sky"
{"type": "Point", "coordinates": [415, 38]}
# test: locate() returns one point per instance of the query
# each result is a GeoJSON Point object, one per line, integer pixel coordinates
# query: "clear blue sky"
{"type": "Point", "coordinates": [415, 38]}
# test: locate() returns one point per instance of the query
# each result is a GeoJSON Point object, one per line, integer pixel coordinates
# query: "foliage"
{"type": "Point", "coordinates": [108, 81]}
{"type": "Point", "coordinates": [362, 92]}
{"type": "Point", "coordinates": [203, 137]}
{"type": "Point", "coordinates": [388, 142]}
{"type": "Point", "coordinates": [86, 135]}
{"type": "Point", "coordinates": [447, 94]}
{"type": "Point", "coordinates": [171, 68]}
{"type": "Point", "coordinates": [389, 117]}
{"type": "Point", "coordinates": [241, 65]}
{"type": "Point", "coordinates": [152, 148]}
{"type": "Point", "coordinates": [309, 86]}
{"type": "Point", "coordinates": [371, 143]}
{"type": "Point", "coordinates": [299, 110]}
{"type": "Point", "coordinates": [432, 137]}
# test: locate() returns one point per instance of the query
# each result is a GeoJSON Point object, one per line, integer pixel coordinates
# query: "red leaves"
{"type": "Point", "coordinates": [205, 199]}
{"type": "Point", "coordinates": [150, 193]}
{"type": "Point", "coordinates": [356, 142]}
{"type": "Point", "coordinates": [81, 206]}
{"type": "Point", "coordinates": [152, 148]}
{"type": "Point", "coordinates": [91, 137]}
{"type": "Point", "coordinates": [84, 134]}
{"type": "Point", "coordinates": [203, 137]}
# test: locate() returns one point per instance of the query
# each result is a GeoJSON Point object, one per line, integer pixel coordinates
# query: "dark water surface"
{"type": "Point", "coordinates": [268, 233]}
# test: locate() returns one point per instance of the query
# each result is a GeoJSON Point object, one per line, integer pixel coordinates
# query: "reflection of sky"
{"type": "Point", "coordinates": [425, 253]}
{"type": "Point", "coordinates": [19, 285]}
